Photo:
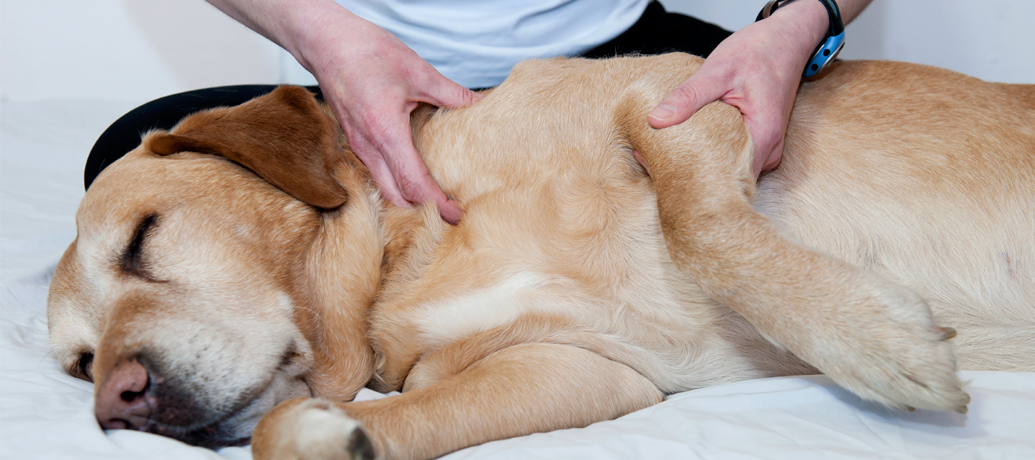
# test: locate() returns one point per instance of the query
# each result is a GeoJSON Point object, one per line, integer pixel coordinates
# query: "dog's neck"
{"type": "Point", "coordinates": [362, 252]}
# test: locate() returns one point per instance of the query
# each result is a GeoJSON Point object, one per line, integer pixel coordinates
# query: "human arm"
{"type": "Point", "coordinates": [757, 70]}
{"type": "Point", "coordinates": [370, 79]}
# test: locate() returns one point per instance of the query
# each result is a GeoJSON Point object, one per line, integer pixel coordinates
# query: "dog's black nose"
{"type": "Point", "coordinates": [123, 401]}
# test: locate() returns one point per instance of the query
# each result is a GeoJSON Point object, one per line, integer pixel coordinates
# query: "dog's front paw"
{"type": "Point", "coordinates": [323, 431]}
{"type": "Point", "coordinates": [888, 349]}
{"type": "Point", "coordinates": [311, 429]}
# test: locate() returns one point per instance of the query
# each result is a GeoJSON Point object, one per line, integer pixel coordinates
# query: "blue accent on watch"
{"type": "Point", "coordinates": [827, 51]}
{"type": "Point", "coordinates": [825, 54]}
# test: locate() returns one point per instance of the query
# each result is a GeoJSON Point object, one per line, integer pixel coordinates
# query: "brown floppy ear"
{"type": "Point", "coordinates": [284, 137]}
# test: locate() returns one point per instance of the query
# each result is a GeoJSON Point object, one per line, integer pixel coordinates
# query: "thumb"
{"type": "Point", "coordinates": [446, 93]}
{"type": "Point", "coordinates": [696, 92]}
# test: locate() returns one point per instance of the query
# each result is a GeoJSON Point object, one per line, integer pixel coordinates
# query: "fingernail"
{"type": "Point", "coordinates": [662, 112]}
{"type": "Point", "coordinates": [452, 213]}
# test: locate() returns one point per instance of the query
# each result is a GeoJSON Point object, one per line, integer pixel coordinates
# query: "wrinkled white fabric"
{"type": "Point", "coordinates": [46, 414]}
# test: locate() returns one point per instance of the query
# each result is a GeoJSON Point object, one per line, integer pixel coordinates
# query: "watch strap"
{"type": "Point", "coordinates": [827, 50]}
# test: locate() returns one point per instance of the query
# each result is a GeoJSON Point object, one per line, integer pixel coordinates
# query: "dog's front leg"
{"type": "Point", "coordinates": [516, 391]}
{"type": "Point", "coordinates": [872, 336]}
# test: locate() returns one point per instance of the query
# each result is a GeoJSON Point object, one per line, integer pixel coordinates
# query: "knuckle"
{"type": "Point", "coordinates": [412, 189]}
{"type": "Point", "coordinates": [685, 94]}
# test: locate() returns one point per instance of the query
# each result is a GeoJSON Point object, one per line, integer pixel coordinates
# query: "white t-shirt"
{"type": "Point", "coordinates": [476, 42]}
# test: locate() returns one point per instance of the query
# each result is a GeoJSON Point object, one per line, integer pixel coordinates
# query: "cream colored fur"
{"type": "Point", "coordinates": [577, 288]}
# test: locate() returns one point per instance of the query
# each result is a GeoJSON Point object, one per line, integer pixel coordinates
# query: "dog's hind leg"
{"type": "Point", "coordinates": [873, 337]}
{"type": "Point", "coordinates": [516, 391]}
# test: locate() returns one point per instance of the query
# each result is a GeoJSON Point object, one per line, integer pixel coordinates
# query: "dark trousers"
{"type": "Point", "coordinates": [656, 32]}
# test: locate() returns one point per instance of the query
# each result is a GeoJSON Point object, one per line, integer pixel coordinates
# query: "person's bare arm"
{"type": "Point", "coordinates": [757, 69]}
{"type": "Point", "coordinates": [370, 79]}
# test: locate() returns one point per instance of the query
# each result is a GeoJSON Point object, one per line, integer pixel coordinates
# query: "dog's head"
{"type": "Point", "coordinates": [199, 293]}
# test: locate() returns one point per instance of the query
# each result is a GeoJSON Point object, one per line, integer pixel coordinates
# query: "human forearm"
{"type": "Point", "coordinates": [805, 23]}
{"type": "Point", "coordinates": [298, 26]}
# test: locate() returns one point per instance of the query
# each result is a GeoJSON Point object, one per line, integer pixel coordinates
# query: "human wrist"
{"type": "Point", "coordinates": [804, 23]}
{"type": "Point", "coordinates": [307, 32]}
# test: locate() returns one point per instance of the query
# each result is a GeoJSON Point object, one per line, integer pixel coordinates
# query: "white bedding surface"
{"type": "Point", "coordinates": [47, 414]}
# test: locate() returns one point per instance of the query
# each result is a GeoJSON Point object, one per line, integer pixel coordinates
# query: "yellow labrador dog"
{"type": "Point", "coordinates": [243, 266]}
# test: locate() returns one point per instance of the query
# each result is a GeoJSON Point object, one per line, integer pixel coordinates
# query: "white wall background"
{"type": "Point", "coordinates": [137, 50]}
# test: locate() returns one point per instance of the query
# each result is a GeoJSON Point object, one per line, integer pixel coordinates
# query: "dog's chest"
{"type": "Point", "coordinates": [583, 256]}
{"type": "Point", "coordinates": [561, 229]}
{"type": "Point", "coordinates": [522, 293]}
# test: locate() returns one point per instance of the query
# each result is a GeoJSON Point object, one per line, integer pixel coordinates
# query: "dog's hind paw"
{"type": "Point", "coordinates": [890, 351]}
{"type": "Point", "coordinates": [906, 376]}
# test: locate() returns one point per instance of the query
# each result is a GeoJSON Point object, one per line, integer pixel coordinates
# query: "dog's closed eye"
{"type": "Point", "coordinates": [132, 259]}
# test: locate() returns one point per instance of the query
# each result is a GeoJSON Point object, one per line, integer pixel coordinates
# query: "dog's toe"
{"type": "Point", "coordinates": [326, 432]}
{"type": "Point", "coordinates": [922, 376]}
{"type": "Point", "coordinates": [889, 350]}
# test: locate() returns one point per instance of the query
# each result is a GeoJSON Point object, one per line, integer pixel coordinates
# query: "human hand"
{"type": "Point", "coordinates": [372, 81]}
{"type": "Point", "coordinates": [757, 70]}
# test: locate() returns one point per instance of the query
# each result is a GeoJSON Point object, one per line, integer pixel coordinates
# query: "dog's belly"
{"type": "Point", "coordinates": [655, 321]}
{"type": "Point", "coordinates": [976, 274]}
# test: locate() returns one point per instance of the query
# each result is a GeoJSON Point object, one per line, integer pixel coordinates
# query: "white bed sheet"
{"type": "Point", "coordinates": [47, 414]}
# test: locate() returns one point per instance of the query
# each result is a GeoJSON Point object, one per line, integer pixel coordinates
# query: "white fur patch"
{"type": "Point", "coordinates": [446, 321]}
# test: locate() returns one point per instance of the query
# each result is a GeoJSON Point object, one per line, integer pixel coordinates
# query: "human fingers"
{"type": "Point", "coordinates": [375, 115]}
{"type": "Point", "coordinates": [409, 174]}
{"type": "Point", "coordinates": [400, 180]}
{"type": "Point", "coordinates": [372, 81]}
{"type": "Point", "coordinates": [767, 133]}
{"type": "Point", "coordinates": [378, 169]}
{"type": "Point", "coordinates": [702, 88]}
{"type": "Point", "coordinates": [443, 92]}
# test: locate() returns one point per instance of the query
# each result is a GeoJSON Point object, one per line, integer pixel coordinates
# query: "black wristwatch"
{"type": "Point", "coordinates": [829, 47]}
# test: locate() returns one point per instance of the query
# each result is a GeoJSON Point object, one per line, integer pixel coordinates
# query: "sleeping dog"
{"type": "Point", "coordinates": [242, 266]}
